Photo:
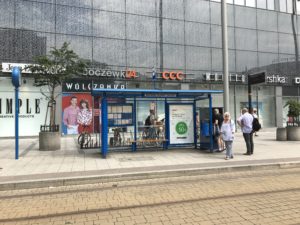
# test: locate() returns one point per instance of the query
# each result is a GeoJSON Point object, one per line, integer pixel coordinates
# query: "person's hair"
{"type": "Point", "coordinates": [216, 111]}
{"type": "Point", "coordinates": [73, 97]}
{"type": "Point", "coordinates": [244, 110]}
{"type": "Point", "coordinates": [84, 101]}
{"type": "Point", "coordinates": [227, 114]}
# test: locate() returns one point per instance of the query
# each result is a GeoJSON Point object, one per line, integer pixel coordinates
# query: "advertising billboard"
{"type": "Point", "coordinates": [181, 124]}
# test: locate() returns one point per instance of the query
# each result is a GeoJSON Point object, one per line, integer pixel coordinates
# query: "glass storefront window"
{"type": "Point", "coordinates": [289, 6]}
{"type": "Point", "coordinates": [239, 2]}
{"type": "Point", "coordinates": [262, 4]}
{"type": "Point", "coordinates": [108, 24]}
{"type": "Point", "coordinates": [192, 9]}
{"type": "Point", "coordinates": [271, 4]}
{"type": "Point", "coordinates": [250, 3]}
{"type": "Point", "coordinates": [298, 7]}
{"type": "Point", "coordinates": [282, 5]}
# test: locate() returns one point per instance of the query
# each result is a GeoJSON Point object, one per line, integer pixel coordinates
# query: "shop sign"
{"type": "Point", "coordinates": [33, 108]}
{"type": "Point", "coordinates": [171, 75]}
{"type": "Point", "coordinates": [28, 107]}
{"type": "Point", "coordinates": [218, 77]}
{"type": "Point", "coordinates": [88, 85]}
{"type": "Point", "coordinates": [7, 67]}
{"type": "Point", "coordinates": [276, 79]}
{"type": "Point", "coordinates": [297, 80]}
{"type": "Point", "coordinates": [97, 72]}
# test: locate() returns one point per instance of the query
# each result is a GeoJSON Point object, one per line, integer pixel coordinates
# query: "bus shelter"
{"type": "Point", "coordinates": [180, 127]}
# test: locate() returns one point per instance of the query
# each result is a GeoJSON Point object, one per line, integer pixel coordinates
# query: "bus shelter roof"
{"type": "Point", "coordinates": [154, 93]}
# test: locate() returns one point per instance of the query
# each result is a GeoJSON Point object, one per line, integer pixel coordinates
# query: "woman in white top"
{"type": "Point", "coordinates": [227, 132]}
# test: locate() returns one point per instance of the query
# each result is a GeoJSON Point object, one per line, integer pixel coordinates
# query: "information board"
{"type": "Point", "coordinates": [181, 124]}
{"type": "Point", "coordinates": [120, 115]}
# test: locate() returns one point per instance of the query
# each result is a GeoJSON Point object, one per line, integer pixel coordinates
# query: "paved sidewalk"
{"type": "Point", "coordinates": [71, 162]}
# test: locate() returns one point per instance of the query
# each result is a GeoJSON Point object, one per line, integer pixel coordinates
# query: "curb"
{"type": "Point", "coordinates": [80, 180]}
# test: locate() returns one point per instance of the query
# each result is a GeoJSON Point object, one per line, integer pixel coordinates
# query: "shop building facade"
{"type": "Point", "coordinates": [178, 41]}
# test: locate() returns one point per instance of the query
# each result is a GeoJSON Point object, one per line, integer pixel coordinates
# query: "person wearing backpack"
{"type": "Point", "coordinates": [245, 121]}
{"type": "Point", "coordinates": [256, 125]}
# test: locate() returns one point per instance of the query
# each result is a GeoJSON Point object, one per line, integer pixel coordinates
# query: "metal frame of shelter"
{"type": "Point", "coordinates": [168, 96]}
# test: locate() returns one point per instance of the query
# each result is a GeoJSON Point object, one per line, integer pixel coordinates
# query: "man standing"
{"type": "Point", "coordinates": [70, 116]}
{"type": "Point", "coordinates": [245, 121]}
{"type": "Point", "coordinates": [217, 121]}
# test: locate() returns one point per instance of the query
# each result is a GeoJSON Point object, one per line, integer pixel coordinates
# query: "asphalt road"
{"type": "Point", "coordinates": [258, 197]}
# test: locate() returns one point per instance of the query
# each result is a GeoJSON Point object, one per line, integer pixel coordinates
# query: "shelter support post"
{"type": "Point", "coordinates": [211, 141]}
{"type": "Point", "coordinates": [133, 146]}
{"type": "Point", "coordinates": [195, 124]}
{"type": "Point", "coordinates": [167, 126]}
{"type": "Point", "coordinates": [104, 122]}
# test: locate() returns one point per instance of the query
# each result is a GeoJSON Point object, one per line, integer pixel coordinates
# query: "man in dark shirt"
{"type": "Point", "coordinates": [217, 121]}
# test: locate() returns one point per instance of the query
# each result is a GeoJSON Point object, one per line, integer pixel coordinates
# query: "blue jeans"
{"type": "Point", "coordinates": [249, 142]}
{"type": "Point", "coordinates": [228, 145]}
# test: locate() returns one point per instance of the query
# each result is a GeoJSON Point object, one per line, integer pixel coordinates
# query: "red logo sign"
{"type": "Point", "coordinates": [172, 75]}
{"type": "Point", "coordinates": [130, 74]}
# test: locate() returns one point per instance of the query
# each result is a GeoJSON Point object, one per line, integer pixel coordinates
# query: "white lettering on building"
{"type": "Point", "coordinates": [276, 79]}
{"type": "Point", "coordinates": [297, 80]}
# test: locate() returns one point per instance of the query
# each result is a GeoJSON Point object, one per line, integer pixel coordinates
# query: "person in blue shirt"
{"type": "Point", "coordinates": [245, 122]}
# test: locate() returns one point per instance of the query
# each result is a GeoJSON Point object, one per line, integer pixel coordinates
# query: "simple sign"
{"type": "Point", "coordinates": [181, 124]}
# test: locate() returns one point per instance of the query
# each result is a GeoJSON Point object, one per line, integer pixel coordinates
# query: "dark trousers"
{"type": "Point", "coordinates": [249, 142]}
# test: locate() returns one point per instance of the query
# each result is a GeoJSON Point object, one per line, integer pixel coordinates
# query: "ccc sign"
{"type": "Point", "coordinates": [171, 75]}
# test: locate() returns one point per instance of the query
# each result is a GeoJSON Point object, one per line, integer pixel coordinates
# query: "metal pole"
{"type": "Point", "coordinates": [17, 123]}
{"type": "Point", "coordinates": [104, 134]}
{"type": "Point", "coordinates": [225, 56]}
{"type": "Point", "coordinates": [134, 122]}
{"type": "Point", "coordinates": [211, 141]}
{"type": "Point", "coordinates": [249, 97]}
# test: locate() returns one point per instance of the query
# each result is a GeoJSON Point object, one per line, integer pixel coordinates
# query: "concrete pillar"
{"type": "Point", "coordinates": [281, 134]}
{"type": "Point", "coordinates": [279, 106]}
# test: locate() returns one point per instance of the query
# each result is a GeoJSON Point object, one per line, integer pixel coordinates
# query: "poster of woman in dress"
{"type": "Point", "coordinates": [77, 113]}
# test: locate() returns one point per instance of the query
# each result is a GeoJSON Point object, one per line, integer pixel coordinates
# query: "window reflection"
{"type": "Point", "coordinates": [271, 4]}
{"type": "Point", "coordinates": [289, 6]}
{"type": "Point", "coordinates": [282, 5]}
{"type": "Point", "coordinates": [109, 24]}
{"type": "Point", "coordinates": [141, 54]}
{"type": "Point", "coordinates": [239, 2]}
{"type": "Point", "coordinates": [250, 3]}
{"type": "Point", "coordinates": [262, 4]}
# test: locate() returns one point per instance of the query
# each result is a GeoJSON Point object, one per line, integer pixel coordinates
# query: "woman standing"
{"type": "Point", "coordinates": [227, 132]}
{"type": "Point", "coordinates": [84, 117]}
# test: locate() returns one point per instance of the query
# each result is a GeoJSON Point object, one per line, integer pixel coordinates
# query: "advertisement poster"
{"type": "Point", "coordinates": [77, 113]}
{"type": "Point", "coordinates": [33, 108]}
{"type": "Point", "coordinates": [181, 124]}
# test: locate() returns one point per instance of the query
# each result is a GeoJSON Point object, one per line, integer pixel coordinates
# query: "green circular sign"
{"type": "Point", "coordinates": [181, 128]}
